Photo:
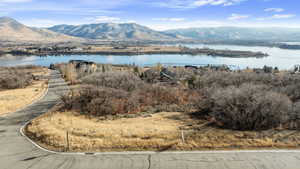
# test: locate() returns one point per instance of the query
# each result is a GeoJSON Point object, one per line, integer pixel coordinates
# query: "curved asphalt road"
{"type": "Point", "coordinates": [16, 152]}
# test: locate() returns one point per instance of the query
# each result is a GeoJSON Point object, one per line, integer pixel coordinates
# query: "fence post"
{"type": "Point", "coordinates": [182, 137]}
{"type": "Point", "coordinates": [68, 144]}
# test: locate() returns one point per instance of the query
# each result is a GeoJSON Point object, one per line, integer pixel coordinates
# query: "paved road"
{"type": "Point", "coordinates": [18, 153]}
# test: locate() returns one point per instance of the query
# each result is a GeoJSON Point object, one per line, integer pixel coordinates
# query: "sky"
{"type": "Point", "coordinates": [156, 14]}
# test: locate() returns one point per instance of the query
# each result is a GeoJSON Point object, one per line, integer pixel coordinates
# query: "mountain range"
{"type": "Point", "coordinates": [239, 33]}
{"type": "Point", "coordinates": [11, 30]}
{"type": "Point", "coordinates": [113, 31]}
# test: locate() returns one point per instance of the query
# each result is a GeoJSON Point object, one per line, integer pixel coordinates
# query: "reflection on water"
{"type": "Point", "coordinates": [282, 58]}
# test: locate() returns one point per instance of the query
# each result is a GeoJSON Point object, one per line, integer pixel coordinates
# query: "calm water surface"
{"type": "Point", "coordinates": [282, 58]}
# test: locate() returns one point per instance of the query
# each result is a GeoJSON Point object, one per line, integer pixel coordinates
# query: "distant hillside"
{"type": "Point", "coordinates": [11, 30]}
{"type": "Point", "coordinates": [113, 31]}
{"type": "Point", "coordinates": [238, 33]}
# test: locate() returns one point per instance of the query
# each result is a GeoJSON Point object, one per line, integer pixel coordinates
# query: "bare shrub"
{"type": "Point", "coordinates": [157, 94]}
{"type": "Point", "coordinates": [225, 79]}
{"type": "Point", "coordinates": [117, 80]}
{"type": "Point", "coordinates": [292, 91]}
{"type": "Point", "coordinates": [203, 101]}
{"type": "Point", "coordinates": [294, 122]}
{"type": "Point", "coordinates": [236, 100]}
{"type": "Point", "coordinates": [100, 101]}
{"type": "Point", "coordinates": [249, 107]}
{"type": "Point", "coordinates": [158, 98]}
{"type": "Point", "coordinates": [15, 77]}
{"type": "Point", "coordinates": [287, 79]}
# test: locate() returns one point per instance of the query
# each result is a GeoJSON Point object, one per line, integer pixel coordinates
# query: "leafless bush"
{"type": "Point", "coordinates": [292, 91]}
{"type": "Point", "coordinates": [15, 77]}
{"type": "Point", "coordinates": [249, 107]}
{"type": "Point", "coordinates": [225, 79]}
{"type": "Point", "coordinates": [236, 100]}
{"type": "Point", "coordinates": [117, 80]}
{"type": "Point", "coordinates": [294, 122]}
{"type": "Point", "coordinates": [157, 94]}
{"type": "Point", "coordinates": [289, 79]}
{"type": "Point", "coordinates": [158, 98]}
{"type": "Point", "coordinates": [100, 101]}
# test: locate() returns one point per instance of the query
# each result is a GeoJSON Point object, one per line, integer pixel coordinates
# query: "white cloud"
{"type": "Point", "coordinates": [284, 16]}
{"type": "Point", "coordinates": [14, 1]}
{"type": "Point", "coordinates": [277, 16]}
{"type": "Point", "coordinates": [209, 2]}
{"type": "Point", "coordinates": [169, 19]}
{"type": "Point", "coordinates": [274, 10]}
{"type": "Point", "coordinates": [104, 19]}
{"type": "Point", "coordinates": [186, 4]}
{"type": "Point", "coordinates": [60, 10]}
{"type": "Point", "coordinates": [237, 17]}
{"type": "Point", "coordinates": [216, 23]}
{"type": "Point", "coordinates": [262, 19]}
{"type": "Point", "coordinates": [35, 22]}
{"type": "Point", "coordinates": [131, 21]}
{"type": "Point", "coordinates": [186, 24]}
{"type": "Point", "coordinates": [216, 2]}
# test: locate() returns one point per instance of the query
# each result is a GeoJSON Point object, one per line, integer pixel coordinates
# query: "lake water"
{"type": "Point", "coordinates": [282, 58]}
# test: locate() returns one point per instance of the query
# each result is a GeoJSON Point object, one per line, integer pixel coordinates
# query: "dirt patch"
{"type": "Point", "coordinates": [15, 99]}
{"type": "Point", "coordinates": [157, 132]}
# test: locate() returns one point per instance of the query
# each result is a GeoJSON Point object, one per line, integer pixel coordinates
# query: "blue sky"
{"type": "Point", "coordinates": [157, 14]}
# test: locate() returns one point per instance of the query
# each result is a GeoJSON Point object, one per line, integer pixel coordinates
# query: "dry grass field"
{"type": "Point", "coordinates": [157, 132]}
{"type": "Point", "coordinates": [14, 99]}
{"type": "Point", "coordinates": [91, 134]}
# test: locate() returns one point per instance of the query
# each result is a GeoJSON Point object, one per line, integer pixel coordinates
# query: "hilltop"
{"type": "Point", "coordinates": [14, 31]}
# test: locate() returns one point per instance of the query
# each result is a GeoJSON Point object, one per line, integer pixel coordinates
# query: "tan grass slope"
{"type": "Point", "coordinates": [11, 30]}
{"type": "Point", "coordinates": [15, 99]}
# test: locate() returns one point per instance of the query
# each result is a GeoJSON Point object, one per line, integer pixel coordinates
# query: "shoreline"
{"type": "Point", "coordinates": [133, 51]}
